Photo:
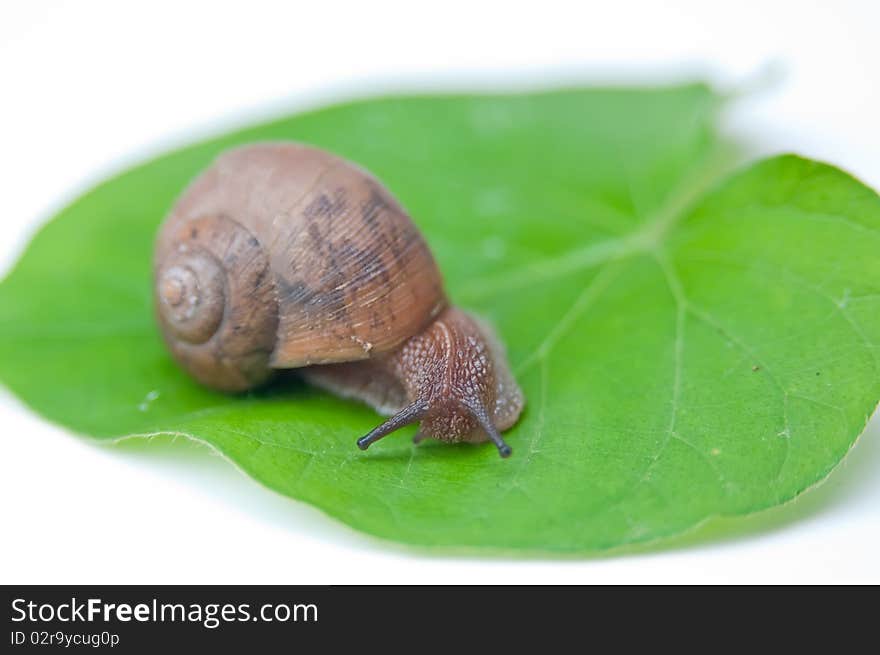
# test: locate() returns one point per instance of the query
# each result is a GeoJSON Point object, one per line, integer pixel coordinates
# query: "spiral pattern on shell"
{"type": "Point", "coordinates": [206, 289]}
{"type": "Point", "coordinates": [280, 255]}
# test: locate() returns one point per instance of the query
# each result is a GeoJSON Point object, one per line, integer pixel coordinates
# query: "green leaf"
{"type": "Point", "coordinates": [689, 346]}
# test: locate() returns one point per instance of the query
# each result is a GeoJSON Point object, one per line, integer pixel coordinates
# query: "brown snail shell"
{"type": "Point", "coordinates": [281, 255]}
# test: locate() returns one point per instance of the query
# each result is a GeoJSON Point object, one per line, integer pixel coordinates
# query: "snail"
{"type": "Point", "coordinates": [282, 255]}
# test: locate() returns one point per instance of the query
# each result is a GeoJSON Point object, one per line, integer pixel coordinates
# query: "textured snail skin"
{"type": "Point", "coordinates": [281, 255]}
{"type": "Point", "coordinates": [454, 368]}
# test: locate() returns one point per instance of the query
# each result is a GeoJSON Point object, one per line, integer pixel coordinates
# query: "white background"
{"type": "Point", "coordinates": [89, 87]}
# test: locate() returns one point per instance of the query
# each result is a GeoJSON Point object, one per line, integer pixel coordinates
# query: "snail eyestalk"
{"type": "Point", "coordinates": [409, 414]}
{"type": "Point", "coordinates": [486, 423]}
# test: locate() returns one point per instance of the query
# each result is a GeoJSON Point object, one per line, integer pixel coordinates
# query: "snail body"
{"type": "Point", "coordinates": [281, 255]}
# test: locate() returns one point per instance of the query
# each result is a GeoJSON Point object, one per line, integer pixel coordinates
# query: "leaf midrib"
{"type": "Point", "coordinates": [647, 238]}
